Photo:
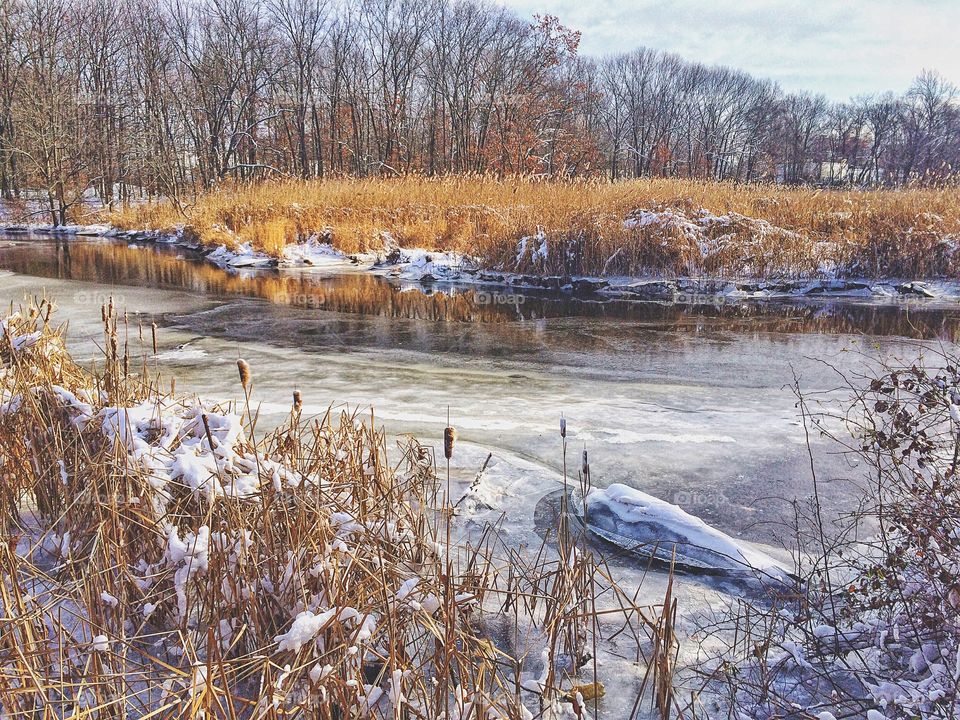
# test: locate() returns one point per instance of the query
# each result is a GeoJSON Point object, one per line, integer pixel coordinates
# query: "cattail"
{"type": "Point", "coordinates": [206, 428]}
{"type": "Point", "coordinates": [297, 400]}
{"type": "Point", "coordinates": [244, 369]}
{"type": "Point", "coordinates": [449, 440]}
{"type": "Point", "coordinates": [563, 427]}
{"type": "Point", "coordinates": [153, 336]}
{"type": "Point", "coordinates": [586, 465]}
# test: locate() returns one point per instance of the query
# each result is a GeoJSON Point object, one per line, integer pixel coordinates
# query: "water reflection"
{"type": "Point", "coordinates": [362, 293]}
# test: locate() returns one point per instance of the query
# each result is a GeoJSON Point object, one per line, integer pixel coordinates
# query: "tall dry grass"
{"type": "Point", "coordinates": [129, 591]}
{"type": "Point", "coordinates": [805, 232]}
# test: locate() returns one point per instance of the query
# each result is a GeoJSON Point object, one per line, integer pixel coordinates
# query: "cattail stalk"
{"type": "Point", "coordinates": [243, 367]}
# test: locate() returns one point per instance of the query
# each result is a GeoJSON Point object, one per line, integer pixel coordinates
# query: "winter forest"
{"type": "Point", "coordinates": [162, 99]}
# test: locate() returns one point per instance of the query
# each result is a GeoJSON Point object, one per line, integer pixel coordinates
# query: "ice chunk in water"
{"type": "Point", "coordinates": [642, 523]}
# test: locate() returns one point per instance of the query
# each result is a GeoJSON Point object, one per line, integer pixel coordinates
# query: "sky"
{"type": "Point", "coordinates": [840, 48]}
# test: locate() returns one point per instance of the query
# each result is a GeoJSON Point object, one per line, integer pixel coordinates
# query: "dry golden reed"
{"type": "Point", "coordinates": [129, 592]}
{"type": "Point", "coordinates": [911, 232]}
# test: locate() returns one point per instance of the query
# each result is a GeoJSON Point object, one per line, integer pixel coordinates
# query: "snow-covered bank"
{"type": "Point", "coordinates": [419, 267]}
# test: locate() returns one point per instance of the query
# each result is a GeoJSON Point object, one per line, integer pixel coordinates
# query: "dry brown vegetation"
{"type": "Point", "coordinates": [750, 230]}
{"type": "Point", "coordinates": [128, 588]}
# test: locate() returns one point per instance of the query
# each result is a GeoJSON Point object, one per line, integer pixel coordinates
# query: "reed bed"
{"type": "Point", "coordinates": [660, 226]}
{"type": "Point", "coordinates": [164, 557]}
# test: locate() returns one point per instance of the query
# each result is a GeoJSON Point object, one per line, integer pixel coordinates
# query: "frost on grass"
{"type": "Point", "coordinates": [175, 558]}
{"type": "Point", "coordinates": [703, 243]}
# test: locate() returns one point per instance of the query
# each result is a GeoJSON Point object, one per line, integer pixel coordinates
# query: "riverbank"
{"type": "Point", "coordinates": [448, 271]}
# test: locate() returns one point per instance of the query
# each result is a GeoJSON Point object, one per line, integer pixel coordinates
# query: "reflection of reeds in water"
{"type": "Point", "coordinates": [127, 588]}
{"type": "Point", "coordinates": [363, 294]}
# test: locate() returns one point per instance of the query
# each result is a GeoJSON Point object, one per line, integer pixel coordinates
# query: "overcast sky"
{"type": "Point", "coordinates": [837, 47]}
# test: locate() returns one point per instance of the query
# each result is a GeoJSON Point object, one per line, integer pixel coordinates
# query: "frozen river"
{"type": "Point", "coordinates": [691, 404]}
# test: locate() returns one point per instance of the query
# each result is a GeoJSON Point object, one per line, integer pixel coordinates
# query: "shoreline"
{"type": "Point", "coordinates": [417, 267]}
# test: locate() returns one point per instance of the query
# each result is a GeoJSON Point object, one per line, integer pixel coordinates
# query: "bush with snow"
{"type": "Point", "coordinates": [877, 629]}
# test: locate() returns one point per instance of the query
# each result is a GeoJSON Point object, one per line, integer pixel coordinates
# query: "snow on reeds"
{"type": "Point", "coordinates": [675, 227]}
{"type": "Point", "coordinates": [162, 558]}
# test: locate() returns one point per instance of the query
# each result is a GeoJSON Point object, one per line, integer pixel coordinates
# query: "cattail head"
{"type": "Point", "coordinates": [297, 400]}
{"type": "Point", "coordinates": [449, 440]}
{"type": "Point", "coordinates": [586, 464]}
{"type": "Point", "coordinates": [563, 426]}
{"type": "Point", "coordinates": [244, 369]}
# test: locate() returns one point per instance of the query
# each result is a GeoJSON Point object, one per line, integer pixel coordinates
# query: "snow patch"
{"type": "Point", "coordinates": [625, 515]}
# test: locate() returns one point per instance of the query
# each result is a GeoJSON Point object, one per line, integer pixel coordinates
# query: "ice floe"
{"type": "Point", "coordinates": [644, 524]}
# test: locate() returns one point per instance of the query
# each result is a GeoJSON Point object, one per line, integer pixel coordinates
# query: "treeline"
{"type": "Point", "coordinates": [136, 96]}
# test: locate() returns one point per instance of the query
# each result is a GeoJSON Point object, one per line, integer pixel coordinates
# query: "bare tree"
{"type": "Point", "coordinates": [121, 98]}
{"type": "Point", "coordinates": [50, 141]}
{"type": "Point", "coordinates": [802, 118]}
{"type": "Point", "coordinates": [929, 125]}
{"type": "Point", "coordinates": [301, 27]}
{"type": "Point", "coordinates": [13, 58]}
